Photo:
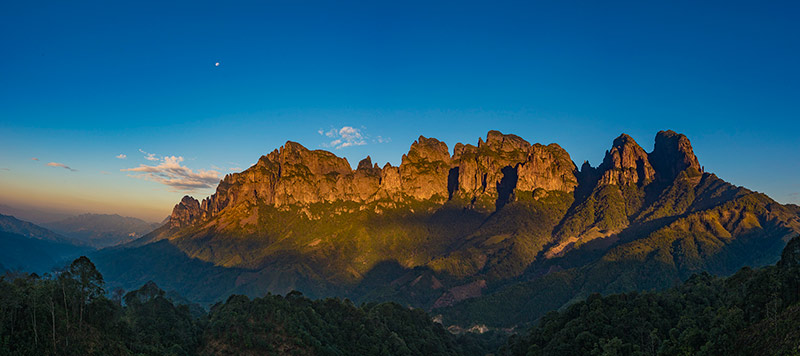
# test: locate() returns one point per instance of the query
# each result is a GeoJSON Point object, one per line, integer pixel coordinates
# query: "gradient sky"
{"type": "Point", "coordinates": [82, 83]}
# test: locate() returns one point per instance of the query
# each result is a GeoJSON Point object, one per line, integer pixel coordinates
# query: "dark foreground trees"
{"type": "Point", "coordinates": [754, 312]}
{"type": "Point", "coordinates": [67, 313]}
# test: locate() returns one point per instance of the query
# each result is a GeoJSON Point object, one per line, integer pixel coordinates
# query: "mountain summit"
{"type": "Point", "coordinates": [441, 228]}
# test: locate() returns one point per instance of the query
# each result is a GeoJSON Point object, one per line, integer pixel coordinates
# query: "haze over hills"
{"type": "Point", "coordinates": [497, 233]}
{"type": "Point", "coordinates": [35, 216]}
{"type": "Point", "coordinates": [101, 230]}
{"type": "Point", "coordinates": [31, 248]}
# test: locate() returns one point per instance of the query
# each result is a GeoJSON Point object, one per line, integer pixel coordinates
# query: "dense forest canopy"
{"type": "Point", "coordinates": [68, 312]}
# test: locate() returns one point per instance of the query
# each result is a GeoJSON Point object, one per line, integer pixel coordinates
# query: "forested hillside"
{"type": "Point", "coordinates": [70, 313]}
{"type": "Point", "coordinates": [754, 312]}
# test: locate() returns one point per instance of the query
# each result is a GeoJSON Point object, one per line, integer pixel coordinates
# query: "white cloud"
{"type": "Point", "coordinates": [122, 156]}
{"type": "Point", "coordinates": [149, 156]}
{"type": "Point", "coordinates": [55, 164]}
{"type": "Point", "coordinates": [170, 172]}
{"type": "Point", "coordinates": [344, 137]}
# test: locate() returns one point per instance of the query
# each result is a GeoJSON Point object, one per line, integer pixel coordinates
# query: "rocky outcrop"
{"type": "Point", "coordinates": [185, 212]}
{"type": "Point", "coordinates": [424, 170]}
{"type": "Point", "coordinates": [626, 163]}
{"type": "Point", "coordinates": [483, 169]}
{"type": "Point", "coordinates": [547, 167]}
{"type": "Point", "coordinates": [673, 154]}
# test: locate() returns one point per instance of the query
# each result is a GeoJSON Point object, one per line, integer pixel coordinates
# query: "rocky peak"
{"type": "Point", "coordinates": [318, 162]}
{"type": "Point", "coordinates": [424, 170]}
{"type": "Point", "coordinates": [626, 163]}
{"type": "Point", "coordinates": [673, 154]}
{"type": "Point", "coordinates": [185, 212]}
{"type": "Point", "coordinates": [548, 167]}
{"type": "Point", "coordinates": [427, 149]}
{"type": "Point", "coordinates": [505, 143]}
{"type": "Point", "coordinates": [365, 163]}
{"type": "Point", "coordinates": [586, 167]}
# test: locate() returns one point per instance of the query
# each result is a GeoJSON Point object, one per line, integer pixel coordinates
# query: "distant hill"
{"type": "Point", "coordinates": [497, 233]}
{"type": "Point", "coordinates": [35, 216]}
{"type": "Point", "coordinates": [22, 253]}
{"type": "Point", "coordinates": [31, 248]}
{"type": "Point", "coordinates": [102, 230]}
{"type": "Point", "coordinates": [27, 229]}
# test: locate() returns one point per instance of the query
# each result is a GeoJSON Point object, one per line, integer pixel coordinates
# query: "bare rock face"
{"type": "Point", "coordinates": [424, 170]}
{"type": "Point", "coordinates": [308, 176]}
{"type": "Point", "coordinates": [548, 167]}
{"type": "Point", "coordinates": [673, 154]}
{"type": "Point", "coordinates": [490, 172]}
{"type": "Point", "coordinates": [491, 166]}
{"type": "Point", "coordinates": [185, 212]}
{"type": "Point", "coordinates": [390, 180]}
{"type": "Point", "coordinates": [365, 163]}
{"type": "Point", "coordinates": [363, 183]}
{"type": "Point", "coordinates": [626, 163]}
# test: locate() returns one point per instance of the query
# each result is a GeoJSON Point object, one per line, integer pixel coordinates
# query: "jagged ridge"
{"type": "Point", "coordinates": [503, 209]}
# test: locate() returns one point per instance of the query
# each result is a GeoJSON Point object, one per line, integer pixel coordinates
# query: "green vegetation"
{"type": "Point", "coordinates": [754, 312]}
{"type": "Point", "coordinates": [747, 231]}
{"type": "Point", "coordinates": [68, 313]}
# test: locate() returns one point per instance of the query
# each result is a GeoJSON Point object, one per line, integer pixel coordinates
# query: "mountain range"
{"type": "Point", "coordinates": [102, 230]}
{"type": "Point", "coordinates": [496, 233]}
{"type": "Point", "coordinates": [27, 247]}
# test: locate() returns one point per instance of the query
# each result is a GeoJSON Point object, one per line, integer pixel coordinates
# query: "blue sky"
{"type": "Point", "coordinates": [84, 82]}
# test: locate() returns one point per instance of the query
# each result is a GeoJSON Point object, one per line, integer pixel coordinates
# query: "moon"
{"type": "Point", "coordinates": [216, 64]}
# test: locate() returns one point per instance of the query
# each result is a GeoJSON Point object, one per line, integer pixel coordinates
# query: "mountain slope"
{"type": "Point", "coordinates": [753, 312]}
{"type": "Point", "coordinates": [13, 225]}
{"type": "Point", "coordinates": [31, 248]}
{"type": "Point", "coordinates": [505, 216]}
{"type": "Point", "coordinates": [22, 253]}
{"type": "Point", "coordinates": [748, 231]}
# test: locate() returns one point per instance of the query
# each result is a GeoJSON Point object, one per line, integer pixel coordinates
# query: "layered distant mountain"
{"type": "Point", "coordinates": [31, 248]}
{"type": "Point", "coordinates": [35, 216]}
{"type": "Point", "coordinates": [496, 233]}
{"type": "Point", "coordinates": [101, 230]}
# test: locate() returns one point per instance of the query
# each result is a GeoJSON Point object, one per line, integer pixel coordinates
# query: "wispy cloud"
{"type": "Point", "coordinates": [122, 156]}
{"type": "Point", "coordinates": [344, 137]}
{"type": "Point", "coordinates": [5, 169]}
{"type": "Point", "coordinates": [170, 172]}
{"type": "Point", "coordinates": [105, 172]}
{"type": "Point", "coordinates": [149, 156]}
{"type": "Point", "coordinates": [55, 164]}
{"type": "Point", "coordinates": [34, 159]}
